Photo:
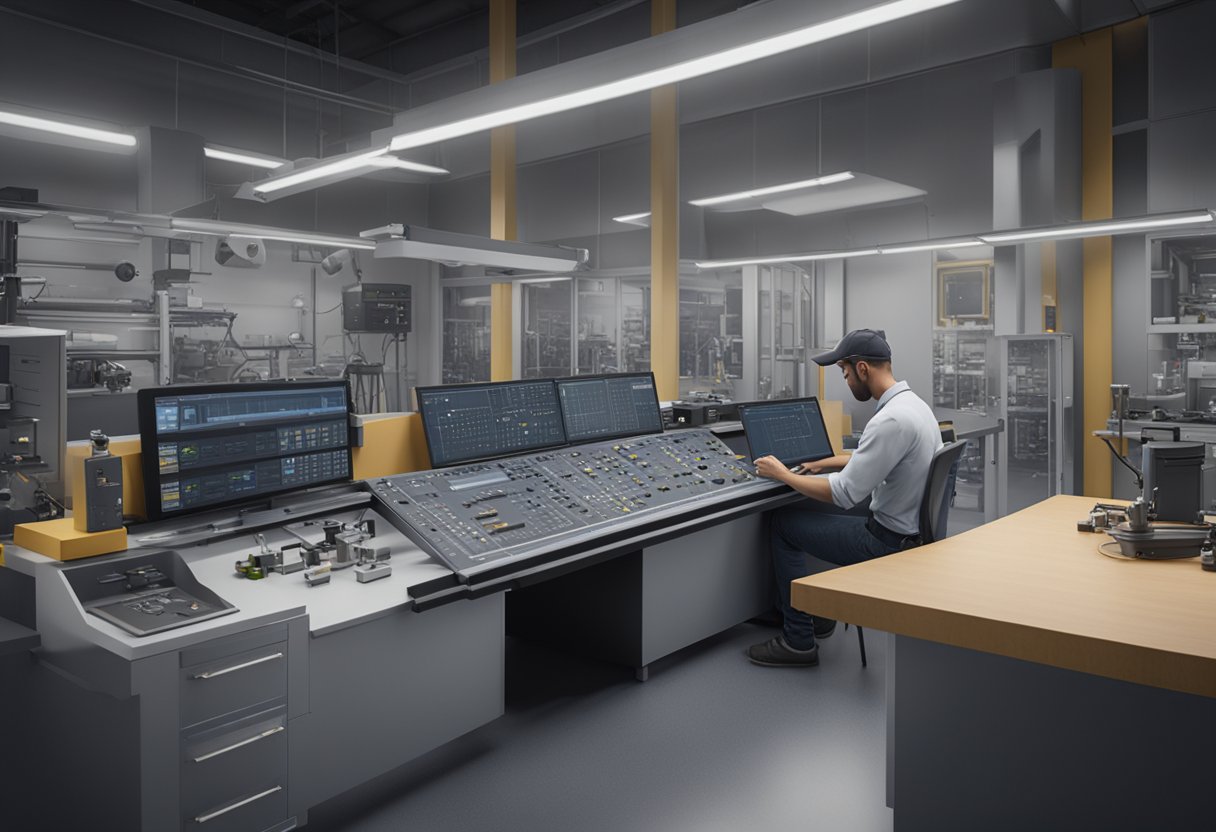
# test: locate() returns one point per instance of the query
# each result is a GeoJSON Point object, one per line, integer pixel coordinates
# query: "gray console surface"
{"type": "Point", "coordinates": [341, 603]}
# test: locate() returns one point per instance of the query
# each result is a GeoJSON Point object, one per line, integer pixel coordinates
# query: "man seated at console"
{"type": "Point", "coordinates": [890, 465]}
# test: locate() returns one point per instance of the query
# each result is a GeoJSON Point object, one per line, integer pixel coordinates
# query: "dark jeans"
{"type": "Point", "coordinates": [795, 533]}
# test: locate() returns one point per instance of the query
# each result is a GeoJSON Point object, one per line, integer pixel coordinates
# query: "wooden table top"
{"type": "Point", "coordinates": [1030, 586]}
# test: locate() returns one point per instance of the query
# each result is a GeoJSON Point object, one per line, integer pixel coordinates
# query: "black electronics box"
{"type": "Point", "coordinates": [377, 307]}
{"type": "Point", "coordinates": [697, 414]}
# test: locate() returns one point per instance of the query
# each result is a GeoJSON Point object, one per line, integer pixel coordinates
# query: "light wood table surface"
{"type": "Point", "coordinates": [1030, 586]}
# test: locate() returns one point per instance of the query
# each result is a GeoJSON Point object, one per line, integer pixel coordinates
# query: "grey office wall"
{"type": "Point", "coordinates": [893, 293]}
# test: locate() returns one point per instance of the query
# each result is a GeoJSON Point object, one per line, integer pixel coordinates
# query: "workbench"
{"type": "Point", "coordinates": [1036, 683]}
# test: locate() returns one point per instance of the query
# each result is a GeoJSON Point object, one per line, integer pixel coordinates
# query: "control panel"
{"type": "Point", "coordinates": [477, 515]}
{"type": "Point", "coordinates": [377, 307]}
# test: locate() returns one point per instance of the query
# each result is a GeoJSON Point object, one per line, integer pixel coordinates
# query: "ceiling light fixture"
{"type": "Point", "coordinates": [406, 164]}
{"type": "Point", "coordinates": [671, 74]}
{"type": "Point", "coordinates": [787, 258]}
{"type": "Point", "coordinates": [64, 128]}
{"type": "Point", "coordinates": [416, 242]}
{"type": "Point", "coordinates": [1068, 231]}
{"type": "Point", "coordinates": [318, 171]}
{"type": "Point", "coordinates": [242, 157]}
{"type": "Point", "coordinates": [1100, 228]}
{"type": "Point", "coordinates": [907, 248]}
{"type": "Point", "coordinates": [285, 235]}
{"type": "Point", "coordinates": [633, 219]}
{"type": "Point", "coordinates": [843, 176]}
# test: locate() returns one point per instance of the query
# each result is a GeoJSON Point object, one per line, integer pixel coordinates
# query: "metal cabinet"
{"type": "Point", "coordinates": [233, 712]}
{"type": "Point", "coordinates": [1036, 399]}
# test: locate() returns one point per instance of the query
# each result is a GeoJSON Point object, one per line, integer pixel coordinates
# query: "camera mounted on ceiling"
{"type": "Point", "coordinates": [241, 251]}
{"type": "Point", "coordinates": [335, 262]}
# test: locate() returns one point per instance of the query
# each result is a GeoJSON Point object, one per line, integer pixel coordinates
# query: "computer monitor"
{"type": "Point", "coordinates": [470, 422]}
{"type": "Point", "coordinates": [609, 406]}
{"type": "Point", "coordinates": [214, 445]}
{"type": "Point", "coordinates": [790, 429]}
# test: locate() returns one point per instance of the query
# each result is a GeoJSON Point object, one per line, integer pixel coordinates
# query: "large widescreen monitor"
{"type": "Point", "coordinates": [469, 422]}
{"type": "Point", "coordinates": [609, 406]}
{"type": "Point", "coordinates": [215, 445]}
{"type": "Point", "coordinates": [790, 429]}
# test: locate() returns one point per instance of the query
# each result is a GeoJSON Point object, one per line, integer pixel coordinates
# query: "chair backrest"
{"type": "Point", "coordinates": [935, 504]}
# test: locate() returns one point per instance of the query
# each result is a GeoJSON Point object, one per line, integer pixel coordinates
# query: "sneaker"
{"type": "Point", "coordinates": [776, 653]}
{"type": "Point", "coordinates": [824, 627]}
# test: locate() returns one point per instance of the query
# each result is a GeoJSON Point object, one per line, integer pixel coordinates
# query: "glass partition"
{"type": "Point", "coordinates": [635, 323]}
{"type": "Point", "coordinates": [1181, 379]}
{"type": "Point", "coordinates": [785, 315]}
{"type": "Point", "coordinates": [599, 327]}
{"type": "Point", "coordinates": [466, 334]}
{"type": "Point", "coordinates": [711, 333]}
{"type": "Point", "coordinates": [546, 342]}
{"type": "Point", "coordinates": [1039, 418]}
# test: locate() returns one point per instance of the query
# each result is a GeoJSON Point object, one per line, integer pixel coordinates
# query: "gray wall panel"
{"type": "Point", "coordinates": [892, 293]}
{"type": "Point", "coordinates": [718, 157]}
{"type": "Point", "coordinates": [787, 142]}
{"type": "Point", "coordinates": [1181, 165]}
{"type": "Point", "coordinates": [70, 176]}
{"type": "Point", "coordinates": [1183, 76]}
{"type": "Point", "coordinates": [87, 78]}
{"type": "Point", "coordinates": [623, 27]}
{"type": "Point", "coordinates": [463, 205]}
{"type": "Point", "coordinates": [624, 182]}
{"type": "Point", "coordinates": [1130, 358]}
{"type": "Point", "coordinates": [559, 198]}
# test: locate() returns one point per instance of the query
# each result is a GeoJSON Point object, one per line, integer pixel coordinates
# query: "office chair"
{"type": "Point", "coordinates": [934, 505]}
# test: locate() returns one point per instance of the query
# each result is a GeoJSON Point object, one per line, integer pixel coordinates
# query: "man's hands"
{"type": "Point", "coordinates": [817, 488]}
{"type": "Point", "coordinates": [772, 468]}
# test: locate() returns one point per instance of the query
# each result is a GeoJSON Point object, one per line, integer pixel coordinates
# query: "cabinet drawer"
{"type": "Point", "coordinates": [256, 808]}
{"type": "Point", "coordinates": [220, 763]}
{"type": "Point", "coordinates": [221, 686]}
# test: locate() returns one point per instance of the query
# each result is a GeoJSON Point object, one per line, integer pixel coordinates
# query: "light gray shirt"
{"type": "Point", "coordinates": [891, 463]}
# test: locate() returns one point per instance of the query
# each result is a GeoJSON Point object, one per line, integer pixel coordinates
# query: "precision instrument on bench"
{"type": "Point", "coordinates": [1170, 523]}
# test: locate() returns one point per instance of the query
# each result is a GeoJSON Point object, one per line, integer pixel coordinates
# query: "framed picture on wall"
{"type": "Point", "coordinates": [964, 293]}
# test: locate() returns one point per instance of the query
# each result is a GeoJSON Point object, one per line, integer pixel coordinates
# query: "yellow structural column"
{"type": "Point", "coordinates": [502, 191]}
{"type": "Point", "coordinates": [664, 222]}
{"type": "Point", "coordinates": [1091, 54]}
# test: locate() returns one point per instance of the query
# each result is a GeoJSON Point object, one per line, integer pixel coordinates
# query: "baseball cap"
{"type": "Point", "coordinates": [860, 343]}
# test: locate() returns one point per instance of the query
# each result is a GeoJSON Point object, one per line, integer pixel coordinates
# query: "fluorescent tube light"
{"type": "Point", "coordinates": [1099, 228]}
{"type": "Point", "coordinates": [318, 171]}
{"type": "Point", "coordinates": [843, 176]}
{"type": "Point", "coordinates": [673, 74]}
{"type": "Point", "coordinates": [286, 235]}
{"type": "Point", "coordinates": [405, 164]}
{"type": "Point", "coordinates": [416, 242]}
{"type": "Point", "coordinates": [907, 248]}
{"type": "Point", "coordinates": [63, 128]}
{"type": "Point", "coordinates": [785, 258]}
{"type": "Point", "coordinates": [242, 157]}
{"type": "Point", "coordinates": [633, 219]}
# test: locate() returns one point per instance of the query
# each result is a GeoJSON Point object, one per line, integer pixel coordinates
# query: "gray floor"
{"type": "Point", "coordinates": [709, 743]}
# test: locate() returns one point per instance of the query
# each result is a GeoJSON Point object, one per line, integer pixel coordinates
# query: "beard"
{"type": "Point", "coordinates": [861, 393]}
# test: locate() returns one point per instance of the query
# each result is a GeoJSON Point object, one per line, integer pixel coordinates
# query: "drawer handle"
{"type": "Point", "coordinates": [211, 674]}
{"type": "Point", "coordinates": [241, 744]}
{"type": "Point", "coordinates": [237, 805]}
